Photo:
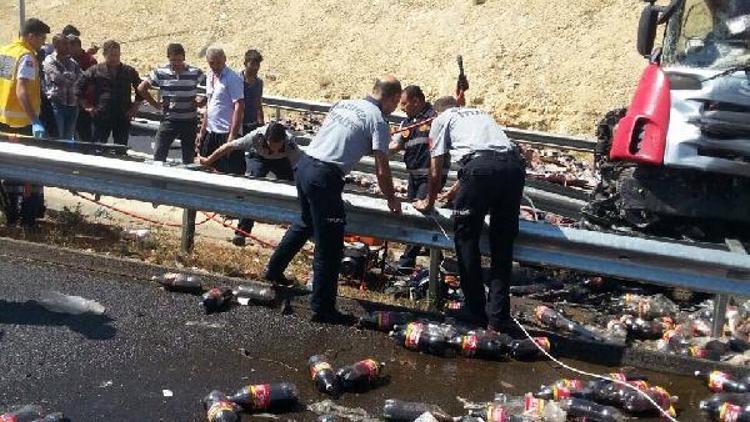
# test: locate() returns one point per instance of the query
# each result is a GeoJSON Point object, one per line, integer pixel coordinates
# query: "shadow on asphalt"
{"type": "Point", "coordinates": [93, 327]}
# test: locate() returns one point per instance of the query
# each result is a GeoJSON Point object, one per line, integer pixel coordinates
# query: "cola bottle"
{"type": "Point", "coordinates": [385, 320]}
{"type": "Point", "coordinates": [180, 283]}
{"type": "Point", "coordinates": [636, 404]}
{"type": "Point", "coordinates": [417, 336]}
{"type": "Point", "coordinates": [262, 295]}
{"type": "Point", "coordinates": [219, 409]}
{"type": "Point", "coordinates": [729, 412]}
{"type": "Point", "coordinates": [483, 346]}
{"type": "Point", "coordinates": [526, 349]}
{"type": "Point", "coordinates": [713, 403]}
{"type": "Point", "coordinates": [266, 396]}
{"type": "Point", "coordinates": [361, 375]}
{"type": "Point", "coordinates": [607, 392]}
{"type": "Point", "coordinates": [563, 389]}
{"type": "Point", "coordinates": [398, 410]}
{"type": "Point", "coordinates": [647, 330]}
{"type": "Point", "coordinates": [554, 319]}
{"type": "Point", "coordinates": [323, 375]}
{"type": "Point", "coordinates": [647, 307]}
{"type": "Point", "coordinates": [724, 382]}
{"type": "Point", "coordinates": [592, 412]}
{"type": "Point", "coordinates": [217, 299]}
{"type": "Point", "coordinates": [539, 409]}
{"type": "Point", "coordinates": [26, 413]}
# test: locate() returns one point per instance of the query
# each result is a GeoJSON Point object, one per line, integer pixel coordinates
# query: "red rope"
{"type": "Point", "coordinates": [136, 216]}
{"type": "Point", "coordinates": [410, 127]}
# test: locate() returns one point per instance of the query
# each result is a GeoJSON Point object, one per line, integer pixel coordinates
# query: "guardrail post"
{"type": "Point", "coordinates": [721, 301]}
{"type": "Point", "coordinates": [188, 231]}
{"type": "Point", "coordinates": [278, 114]}
{"type": "Point", "coordinates": [434, 294]}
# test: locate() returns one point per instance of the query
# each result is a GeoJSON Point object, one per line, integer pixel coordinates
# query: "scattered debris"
{"type": "Point", "coordinates": [73, 305]}
{"type": "Point", "coordinates": [329, 409]}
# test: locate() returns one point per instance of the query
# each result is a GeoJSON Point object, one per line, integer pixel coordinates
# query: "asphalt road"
{"type": "Point", "coordinates": [115, 367]}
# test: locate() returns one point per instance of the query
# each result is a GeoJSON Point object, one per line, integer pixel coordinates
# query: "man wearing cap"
{"type": "Point", "coordinates": [268, 149]}
{"type": "Point", "coordinates": [490, 180]}
{"type": "Point", "coordinates": [352, 129]}
{"type": "Point", "coordinates": [414, 143]}
{"type": "Point", "coordinates": [20, 106]}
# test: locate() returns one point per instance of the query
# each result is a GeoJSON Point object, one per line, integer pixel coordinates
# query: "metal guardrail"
{"type": "Point", "coordinates": [551, 140]}
{"type": "Point", "coordinates": [612, 255]}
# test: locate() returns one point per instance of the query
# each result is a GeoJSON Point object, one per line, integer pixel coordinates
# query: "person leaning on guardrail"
{"type": "Point", "coordinates": [20, 106]}
{"type": "Point", "coordinates": [268, 149]}
{"type": "Point", "coordinates": [224, 110]}
{"type": "Point", "coordinates": [178, 84]}
{"type": "Point", "coordinates": [490, 180]}
{"type": "Point", "coordinates": [351, 129]}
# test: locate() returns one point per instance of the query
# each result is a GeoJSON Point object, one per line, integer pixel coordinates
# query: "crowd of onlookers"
{"type": "Point", "coordinates": [85, 100]}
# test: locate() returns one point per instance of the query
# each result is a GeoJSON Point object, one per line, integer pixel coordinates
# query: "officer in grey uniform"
{"type": "Point", "coordinates": [352, 129]}
{"type": "Point", "coordinates": [490, 180]}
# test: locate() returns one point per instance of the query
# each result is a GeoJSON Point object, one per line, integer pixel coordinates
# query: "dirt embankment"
{"type": "Point", "coordinates": [547, 65]}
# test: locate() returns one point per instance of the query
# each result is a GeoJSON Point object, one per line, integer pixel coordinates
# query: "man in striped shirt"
{"type": "Point", "coordinates": [178, 83]}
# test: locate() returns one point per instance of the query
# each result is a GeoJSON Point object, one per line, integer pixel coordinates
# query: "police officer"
{"type": "Point", "coordinates": [352, 129]}
{"type": "Point", "coordinates": [490, 180]}
{"type": "Point", "coordinates": [20, 107]}
{"type": "Point", "coordinates": [268, 149]}
{"type": "Point", "coordinates": [414, 142]}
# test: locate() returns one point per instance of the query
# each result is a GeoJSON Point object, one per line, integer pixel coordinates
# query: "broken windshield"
{"type": "Point", "coordinates": [713, 34]}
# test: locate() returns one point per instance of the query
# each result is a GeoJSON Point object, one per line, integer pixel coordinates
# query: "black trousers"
{"type": "Point", "coordinates": [106, 124]}
{"type": "Point", "coordinates": [260, 167]}
{"type": "Point", "coordinates": [21, 200]}
{"type": "Point", "coordinates": [416, 189]}
{"type": "Point", "coordinates": [184, 130]}
{"type": "Point", "coordinates": [489, 185]}
{"type": "Point", "coordinates": [234, 163]}
{"type": "Point", "coordinates": [319, 188]}
{"type": "Point", "coordinates": [83, 126]}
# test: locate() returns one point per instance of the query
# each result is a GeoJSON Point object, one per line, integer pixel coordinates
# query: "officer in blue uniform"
{"type": "Point", "coordinates": [414, 143]}
{"type": "Point", "coordinates": [352, 129]}
{"type": "Point", "coordinates": [490, 181]}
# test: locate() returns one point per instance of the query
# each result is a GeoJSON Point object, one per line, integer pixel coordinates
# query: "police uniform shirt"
{"type": "Point", "coordinates": [351, 130]}
{"type": "Point", "coordinates": [464, 131]}
{"type": "Point", "coordinates": [27, 68]}
{"type": "Point", "coordinates": [255, 143]}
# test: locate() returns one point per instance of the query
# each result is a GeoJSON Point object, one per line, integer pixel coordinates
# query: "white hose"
{"type": "Point", "coordinates": [568, 367]}
{"type": "Point", "coordinates": [597, 376]}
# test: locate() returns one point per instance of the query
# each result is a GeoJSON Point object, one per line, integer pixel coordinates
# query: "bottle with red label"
{"type": "Point", "coordinates": [323, 375]}
{"type": "Point", "coordinates": [565, 388]}
{"type": "Point", "coordinates": [28, 413]}
{"type": "Point", "coordinates": [399, 410]}
{"type": "Point", "coordinates": [528, 349]}
{"type": "Point", "coordinates": [255, 293]}
{"type": "Point", "coordinates": [724, 382]}
{"type": "Point", "coordinates": [647, 307]}
{"type": "Point", "coordinates": [385, 320]}
{"type": "Point", "coordinates": [636, 404]}
{"type": "Point", "coordinates": [361, 375]}
{"type": "Point", "coordinates": [640, 328]}
{"type": "Point", "coordinates": [217, 299]}
{"type": "Point", "coordinates": [483, 346]}
{"type": "Point", "coordinates": [219, 409]}
{"type": "Point", "coordinates": [590, 411]}
{"type": "Point", "coordinates": [180, 283]}
{"type": "Point", "coordinates": [712, 404]}
{"type": "Point", "coordinates": [729, 412]}
{"type": "Point", "coordinates": [419, 337]}
{"type": "Point", "coordinates": [268, 397]}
